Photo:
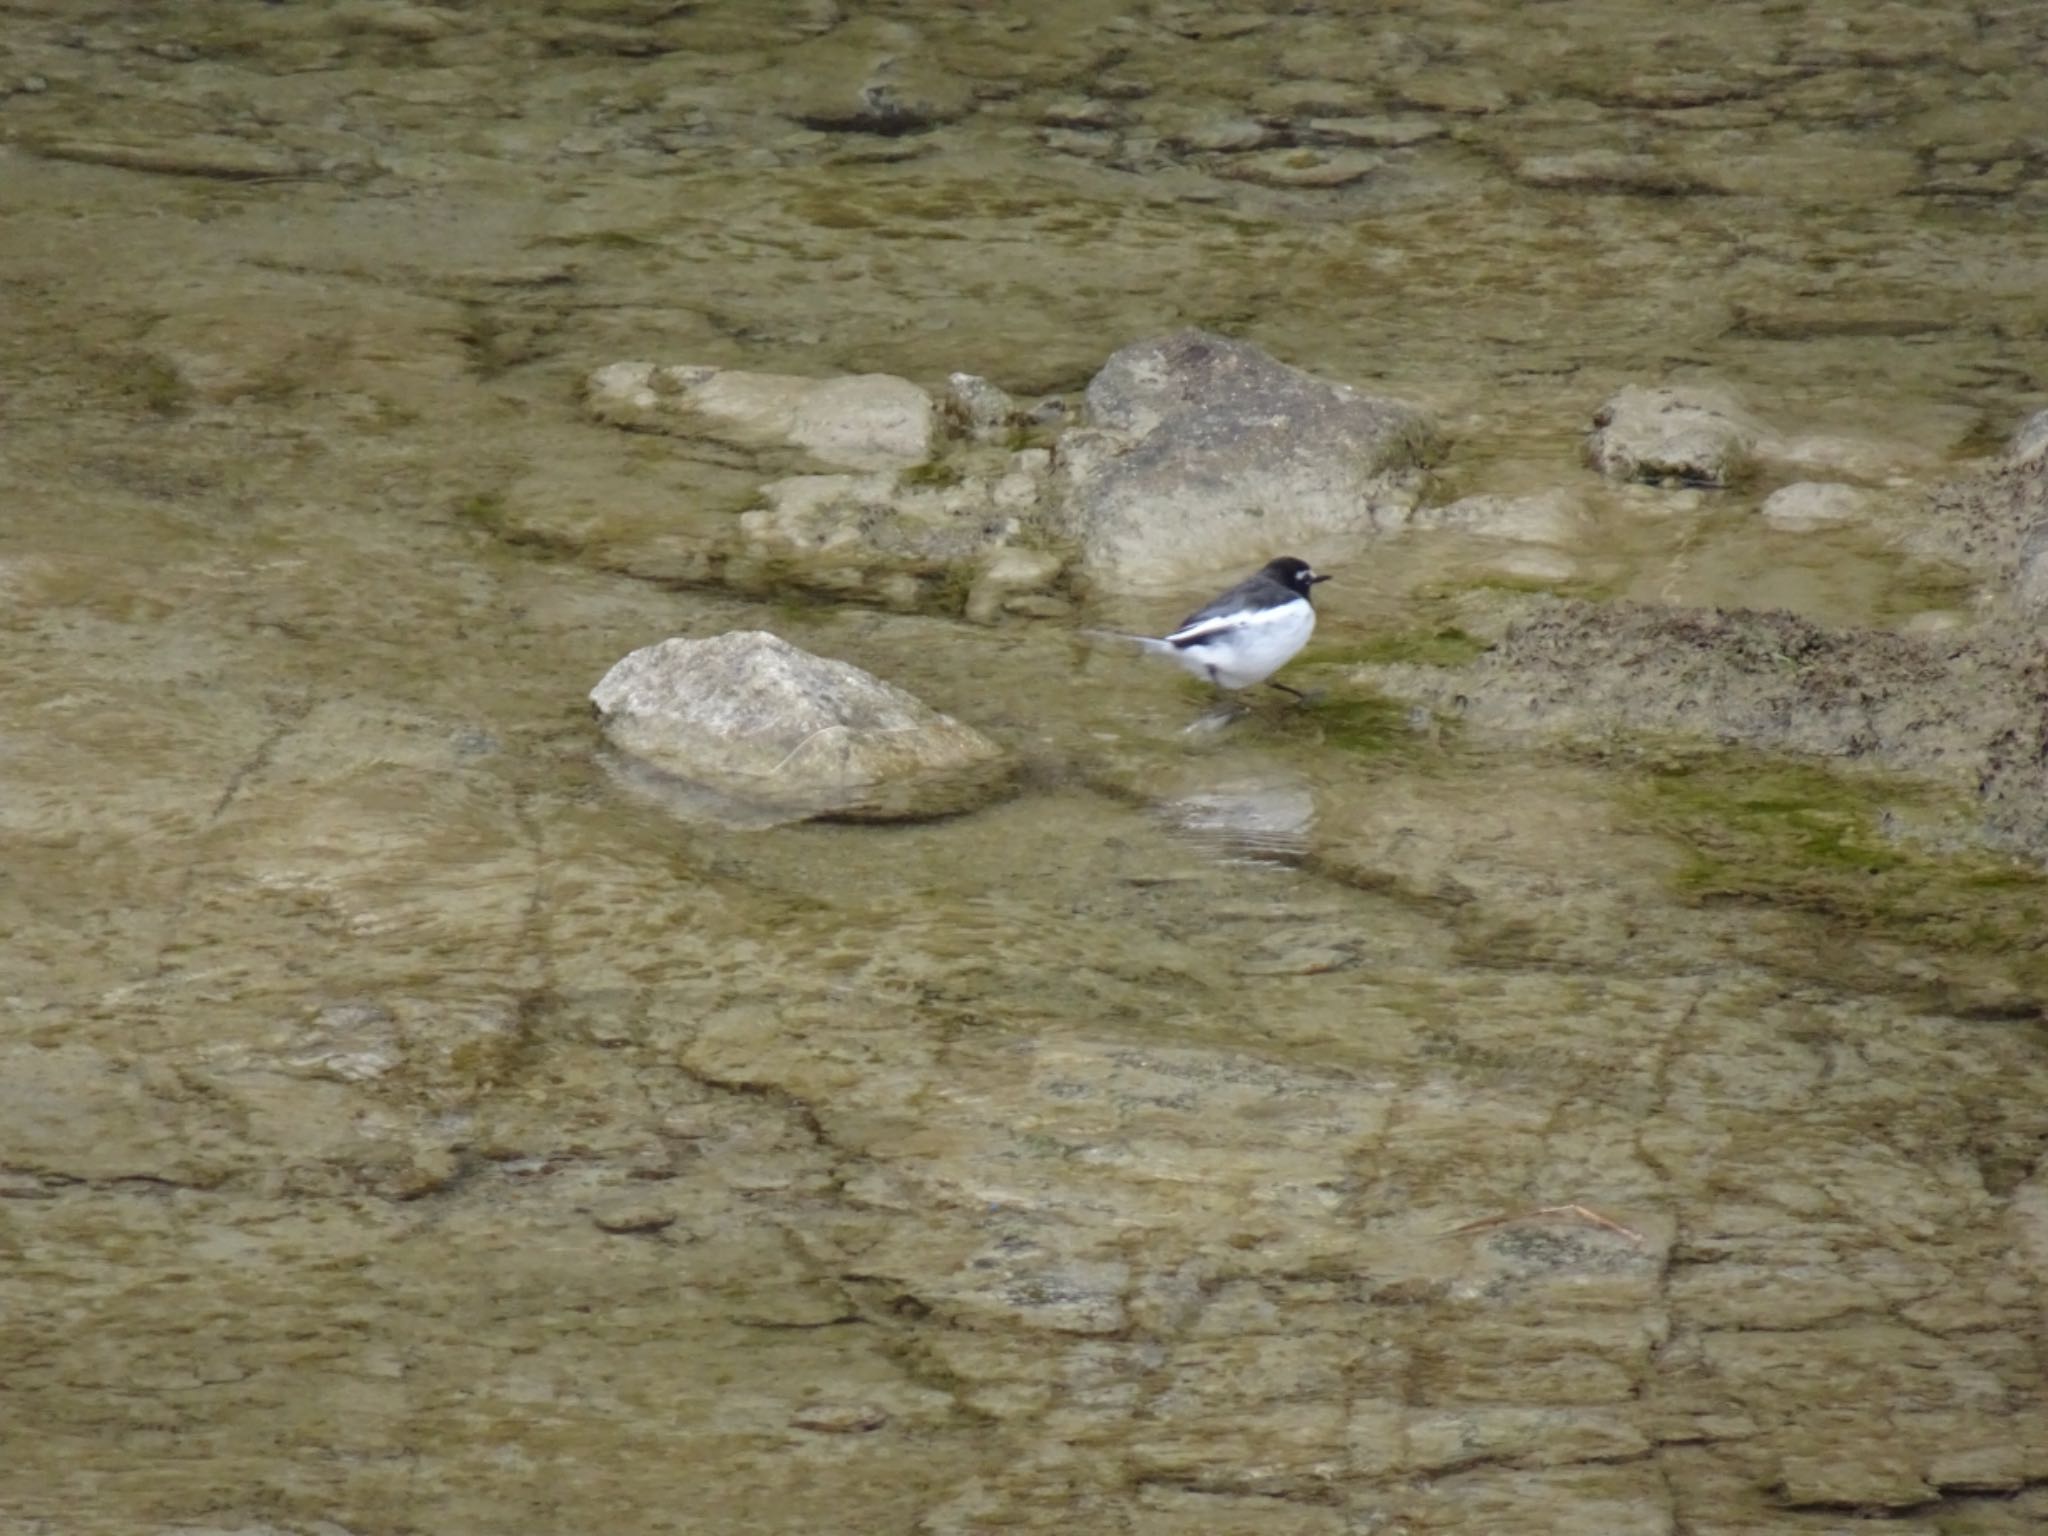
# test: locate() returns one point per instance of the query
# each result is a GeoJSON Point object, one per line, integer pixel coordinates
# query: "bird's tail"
{"type": "Point", "coordinates": [1143, 642]}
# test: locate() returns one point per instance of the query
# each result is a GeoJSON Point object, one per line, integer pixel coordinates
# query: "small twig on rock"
{"type": "Point", "coordinates": [1583, 1213]}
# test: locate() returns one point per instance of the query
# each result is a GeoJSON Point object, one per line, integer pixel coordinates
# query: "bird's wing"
{"type": "Point", "coordinates": [1199, 628]}
{"type": "Point", "coordinates": [1249, 605]}
{"type": "Point", "coordinates": [1252, 592]}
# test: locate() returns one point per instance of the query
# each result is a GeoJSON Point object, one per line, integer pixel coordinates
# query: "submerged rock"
{"type": "Point", "coordinates": [1962, 709]}
{"type": "Point", "coordinates": [1379, 132]}
{"type": "Point", "coordinates": [1015, 581]}
{"type": "Point", "coordinates": [868, 75]}
{"type": "Point", "coordinates": [1608, 170]}
{"type": "Point", "coordinates": [1813, 504]}
{"type": "Point", "coordinates": [1690, 435]}
{"type": "Point", "coordinates": [747, 715]}
{"type": "Point", "coordinates": [1304, 166]}
{"type": "Point", "coordinates": [1550, 517]}
{"type": "Point", "coordinates": [1764, 679]}
{"type": "Point", "coordinates": [915, 541]}
{"type": "Point", "coordinates": [1197, 448]}
{"type": "Point", "coordinates": [862, 421]}
{"type": "Point", "coordinates": [1536, 564]}
{"type": "Point", "coordinates": [1200, 447]}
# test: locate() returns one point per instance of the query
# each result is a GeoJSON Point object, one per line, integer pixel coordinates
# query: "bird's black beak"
{"type": "Point", "coordinates": [1315, 577]}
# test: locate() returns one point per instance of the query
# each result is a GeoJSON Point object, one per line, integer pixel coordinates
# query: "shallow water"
{"type": "Point", "coordinates": [406, 1126]}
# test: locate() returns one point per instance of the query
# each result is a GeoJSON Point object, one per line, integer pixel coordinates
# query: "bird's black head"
{"type": "Point", "coordinates": [1293, 574]}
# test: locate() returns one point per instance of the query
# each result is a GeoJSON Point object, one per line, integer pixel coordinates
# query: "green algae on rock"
{"type": "Point", "coordinates": [1879, 854]}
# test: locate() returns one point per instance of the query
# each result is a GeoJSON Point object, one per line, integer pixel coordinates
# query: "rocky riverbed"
{"type": "Point", "coordinates": [1584, 1071]}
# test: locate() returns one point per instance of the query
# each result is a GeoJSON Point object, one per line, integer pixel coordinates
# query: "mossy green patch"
{"type": "Point", "coordinates": [1364, 723]}
{"type": "Point", "coordinates": [1792, 834]}
{"type": "Point", "coordinates": [1926, 585]}
{"type": "Point", "coordinates": [1443, 645]}
{"type": "Point", "coordinates": [933, 474]}
{"type": "Point", "coordinates": [1733, 816]}
{"type": "Point", "coordinates": [947, 594]}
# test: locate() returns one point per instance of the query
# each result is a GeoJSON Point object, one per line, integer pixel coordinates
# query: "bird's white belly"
{"type": "Point", "coordinates": [1252, 649]}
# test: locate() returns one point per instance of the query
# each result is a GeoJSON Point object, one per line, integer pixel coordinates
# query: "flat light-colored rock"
{"type": "Point", "coordinates": [1813, 504]}
{"type": "Point", "coordinates": [1872, 1480]}
{"type": "Point", "coordinates": [1203, 451]}
{"type": "Point", "coordinates": [1083, 112]}
{"type": "Point", "coordinates": [750, 716]}
{"type": "Point", "coordinates": [1533, 563]}
{"type": "Point", "coordinates": [1693, 436]}
{"type": "Point", "coordinates": [1380, 132]}
{"type": "Point", "coordinates": [1554, 517]}
{"type": "Point", "coordinates": [862, 421]}
{"type": "Point", "coordinates": [1224, 135]}
{"type": "Point", "coordinates": [1304, 167]}
{"type": "Point", "coordinates": [1604, 170]}
{"type": "Point", "coordinates": [1839, 456]}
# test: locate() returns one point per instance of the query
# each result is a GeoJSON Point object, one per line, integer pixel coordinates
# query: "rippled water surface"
{"type": "Point", "coordinates": [1336, 1123]}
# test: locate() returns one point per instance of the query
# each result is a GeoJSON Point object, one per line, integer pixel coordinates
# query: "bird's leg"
{"type": "Point", "coordinates": [1275, 683]}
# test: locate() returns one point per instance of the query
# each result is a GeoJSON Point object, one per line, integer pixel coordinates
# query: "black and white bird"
{"type": "Point", "coordinates": [1248, 633]}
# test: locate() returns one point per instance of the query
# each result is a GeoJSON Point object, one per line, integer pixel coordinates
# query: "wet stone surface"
{"type": "Point", "coordinates": [1529, 1088]}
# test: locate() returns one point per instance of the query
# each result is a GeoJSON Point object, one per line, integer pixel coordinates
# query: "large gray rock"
{"type": "Point", "coordinates": [1205, 454]}
{"type": "Point", "coordinates": [861, 421]}
{"type": "Point", "coordinates": [1690, 435]}
{"type": "Point", "coordinates": [753, 719]}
